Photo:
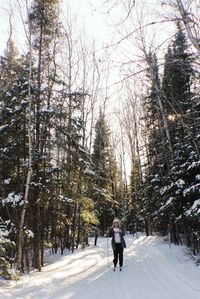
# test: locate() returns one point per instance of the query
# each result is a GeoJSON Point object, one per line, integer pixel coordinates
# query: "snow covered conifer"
{"type": "Point", "coordinates": [103, 164]}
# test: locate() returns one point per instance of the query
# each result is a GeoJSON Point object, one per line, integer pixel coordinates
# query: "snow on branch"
{"type": "Point", "coordinates": [14, 199]}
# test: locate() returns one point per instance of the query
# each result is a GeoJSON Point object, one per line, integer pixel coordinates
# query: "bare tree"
{"type": "Point", "coordinates": [29, 172]}
{"type": "Point", "coordinates": [191, 20]}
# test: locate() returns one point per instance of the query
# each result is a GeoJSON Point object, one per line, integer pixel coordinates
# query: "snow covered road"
{"type": "Point", "coordinates": [151, 271]}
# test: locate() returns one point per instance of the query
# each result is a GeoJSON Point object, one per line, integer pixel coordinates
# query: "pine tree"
{"type": "Point", "coordinates": [43, 20]}
{"type": "Point", "coordinates": [103, 165]}
{"type": "Point", "coordinates": [13, 144]}
{"type": "Point", "coordinates": [169, 184]}
{"type": "Point", "coordinates": [158, 139]}
{"type": "Point", "coordinates": [7, 247]}
{"type": "Point", "coordinates": [177, 96]}
{"type": "Point", "coordinates": [176, 83]}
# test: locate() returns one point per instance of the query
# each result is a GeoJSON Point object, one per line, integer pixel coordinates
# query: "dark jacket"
{"type": "Point", "coordinates": [111, 235]}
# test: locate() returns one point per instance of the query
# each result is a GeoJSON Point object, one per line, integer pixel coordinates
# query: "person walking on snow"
{"type": "Point", "coordinates": [118, 243]}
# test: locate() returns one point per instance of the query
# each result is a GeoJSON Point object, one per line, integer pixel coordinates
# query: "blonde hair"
{"type": "Point", "coordinates": [116, 220]}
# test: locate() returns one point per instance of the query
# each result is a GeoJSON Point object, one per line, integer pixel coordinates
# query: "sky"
{"type": "Point", "coordinates": [103, 22]}
{"type": "Point", "coordinates": [98, 18]}
{"type": "Point", "coordinates": [90, 14]}
{"type": "Point", "coordinates": [107, 25]}
{"type": "Point", "coordinates": [10, 11]}
{"type": "Point", "coordinates": [90, 19]}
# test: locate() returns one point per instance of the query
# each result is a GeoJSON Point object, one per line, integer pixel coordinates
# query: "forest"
{"type": "Point", "coordinates": [89, 134]}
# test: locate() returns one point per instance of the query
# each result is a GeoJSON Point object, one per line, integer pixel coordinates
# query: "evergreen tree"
{"type": "Point", "coordinates": [76, 170]}
{"type": "Point", "coordinates": [102, 158]}
{"type": "Point", "coordinates": [158, 153]}
{"type": "Point", "coordinates": [170, 179]}
{"type": "Point", "coordinates": [176, 83]}
{"type": "Point", "coordinates": [13, 144]}
{"type": "Point", "coordinates": [44, 26]}
{"type": "Point", "coordinates": [177, 96]}
{"type": "Point", "coordinates": [7, 247]}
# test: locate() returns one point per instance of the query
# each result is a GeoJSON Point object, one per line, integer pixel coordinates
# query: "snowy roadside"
{"type": "Point", "coordinates": [151, 270]}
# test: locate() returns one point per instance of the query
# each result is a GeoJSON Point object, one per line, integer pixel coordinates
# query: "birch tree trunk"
{"type": "Point", "coordinates": [160, 105]}
{"type": "Point", "coordinates": [188, 23]}
{"type": "Point", "coordinates": [29, 173]}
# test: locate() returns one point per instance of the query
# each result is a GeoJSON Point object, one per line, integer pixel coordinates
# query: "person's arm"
{"type": "Point", "coordinates": [110, 233]}
{"type": "Point", "coordinates": [122, 232]}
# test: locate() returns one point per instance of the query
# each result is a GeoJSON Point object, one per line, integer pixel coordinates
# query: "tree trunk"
{"type": "Point", "coordinates": [73, 229]}
{"type": "Point", "coordinates": [37, 240]}
{"type": "Point", "coordinates": [28, 179]}
{"type": "Point", "coordinates": [187, 22]}
{"type": "Point", "coordinates": [146, 227]}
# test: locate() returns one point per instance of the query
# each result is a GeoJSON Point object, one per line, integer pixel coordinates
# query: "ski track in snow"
{"type": "Point", "coordinates": [151, 270]}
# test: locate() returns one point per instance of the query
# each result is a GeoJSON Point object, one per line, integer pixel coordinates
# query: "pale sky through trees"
{"type": "Point", "coordinates": [109, 24]}
{"type": "Point", "coordinates": [106, 23]}
{"type": "Point", "coordinates": [114, 30]}
{"type": "Point", "coordinates": [92, 20]}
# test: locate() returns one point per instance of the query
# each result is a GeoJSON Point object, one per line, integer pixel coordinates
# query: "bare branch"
{"type": "Point", "coordinates": [138, 29]}
{"type": "Point", "coordinates": [185, 16]}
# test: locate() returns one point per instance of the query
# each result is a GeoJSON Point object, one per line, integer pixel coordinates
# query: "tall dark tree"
{"type": "Point", "coordinates": [177, 99]}
{"type": "Point", "coordinates": [13, 145]}
{"type": "Point", "coordinates": [103, 166]}
{"type": "Point", "coordinates": [44, 27]}
{"type": "Point", "coordinates": [170, 176]}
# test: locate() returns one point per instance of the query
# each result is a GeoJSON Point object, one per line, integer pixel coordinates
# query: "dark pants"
{"type": "Point", "coordinates": [118, 253]}
{"type": "Point", "coordinates": [95, 240]}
